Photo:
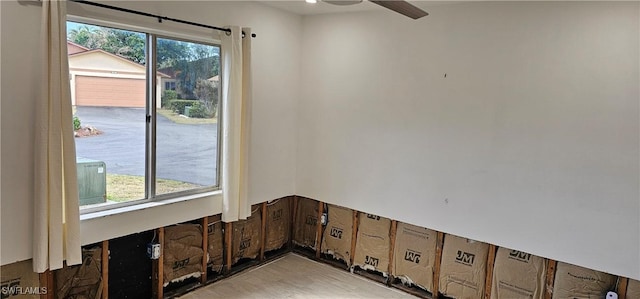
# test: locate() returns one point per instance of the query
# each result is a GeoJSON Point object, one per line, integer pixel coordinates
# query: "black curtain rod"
{"type": "Point", "coordinates": [160, 18]}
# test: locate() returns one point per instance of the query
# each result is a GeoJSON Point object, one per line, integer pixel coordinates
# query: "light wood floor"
{"type": "Point", "coordinates": [294, 276]}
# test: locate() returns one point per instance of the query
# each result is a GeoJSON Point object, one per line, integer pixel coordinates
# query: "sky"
{"type": "Point", "coordinates": [74, 25]}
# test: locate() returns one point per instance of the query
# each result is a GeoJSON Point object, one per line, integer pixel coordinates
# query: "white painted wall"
{"type": "Point", "coordinates": [531, 141]}
{"type": "Point", "coordinates": [276, 57]}
{"type": "Point", "coordinates": [19, 60]}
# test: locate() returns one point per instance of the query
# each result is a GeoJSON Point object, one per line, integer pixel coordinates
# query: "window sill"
{"type": "Point", "coordinates": [110, 224]}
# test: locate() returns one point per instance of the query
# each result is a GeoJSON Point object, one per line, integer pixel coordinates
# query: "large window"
{"type": "Point", "coordinates": [145, 115]}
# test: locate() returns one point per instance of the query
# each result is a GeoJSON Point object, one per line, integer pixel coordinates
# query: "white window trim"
{"type": "Point", "coordinates": [114, 223]}
{"type": "Point", "coordinates": [146, 214]}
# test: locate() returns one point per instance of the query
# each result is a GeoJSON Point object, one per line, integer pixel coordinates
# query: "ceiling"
{"type": "Point", "coordinates": [302, 8]}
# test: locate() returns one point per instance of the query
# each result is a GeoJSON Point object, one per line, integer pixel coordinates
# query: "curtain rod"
{"type": "Point", "coordinates": [160, 18]}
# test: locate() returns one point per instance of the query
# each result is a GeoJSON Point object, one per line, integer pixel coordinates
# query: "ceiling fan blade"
{"type": "Point", "coordinates": [342, 2]}
{"type": "Point", "coordinates": [402, 7]}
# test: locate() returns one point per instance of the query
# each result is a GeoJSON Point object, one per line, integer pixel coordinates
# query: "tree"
{"type": "Point", "coordinates": [131, 45]}
{"type": "Point", "coordinates": [169, 52]}
{"type": "Point", "coordinates": [127, 44]}
{"type": "Point", "coordinates": [192, 71]}
{"type": "Point", "coordinates": [207, 93]}
{"type": "Point", "coordinates": [189, 62]}
{"type": "Point", "coordinates": [81, 36]}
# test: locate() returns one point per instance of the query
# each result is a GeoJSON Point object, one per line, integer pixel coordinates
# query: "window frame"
{"type": "Point", "coordinates": [151, 36]}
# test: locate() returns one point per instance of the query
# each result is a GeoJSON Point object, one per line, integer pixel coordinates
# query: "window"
{"type": "Point", "coordinates": [143, 131]}
{"type": "Point", "coordinates": [170, 85]}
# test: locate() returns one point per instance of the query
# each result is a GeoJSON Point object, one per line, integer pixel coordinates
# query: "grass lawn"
{"type": "Point", "coordinates": [122, 187]}
{"type": "Point", "coordinates": [176, 118]}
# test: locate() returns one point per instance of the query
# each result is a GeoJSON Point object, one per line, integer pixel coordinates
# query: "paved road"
{"type": "Point", "coordinates": [184, 152]}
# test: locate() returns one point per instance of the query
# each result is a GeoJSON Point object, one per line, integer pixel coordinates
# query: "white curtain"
{"type": "Point", "coordinates": [56, 236]}
{"type": "Point", "coordinates": [236, 107]}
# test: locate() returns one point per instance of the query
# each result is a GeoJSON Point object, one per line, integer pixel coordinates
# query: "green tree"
{"type": "Point", "coordinates": [192, 71]}
{"type": "Point", "coordinates": [82, 36]}
{"type": "Point", "coordinates": [207, 93]}
{"type": "Point", "coordinates": [189, 62]}
{"type": "Point", "coordinates": [169, 52]}
{"type": "Point", "coordinates": [127, 44]}
{"type": "Point", "coordinates": [131, 45]}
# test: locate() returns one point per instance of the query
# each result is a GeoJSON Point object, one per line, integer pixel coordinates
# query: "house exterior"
{"type": "Point", "coordinates": [170, 81]}
{"type": "Point", "coordinates": [99, 78]}
{"type": "Point", "coordinates": [215, 79]}
{"type": "Point", "coordinates": [73, 48]}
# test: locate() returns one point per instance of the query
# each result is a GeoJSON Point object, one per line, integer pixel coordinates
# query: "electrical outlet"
{"type": "Point", "coordinates": [153, 251]}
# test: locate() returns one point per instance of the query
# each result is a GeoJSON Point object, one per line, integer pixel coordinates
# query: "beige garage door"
{"type": "Point", "coordinates": [111, 92]}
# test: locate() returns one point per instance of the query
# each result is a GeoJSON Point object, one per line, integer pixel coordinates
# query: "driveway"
{"type": "Point", "coordinates": [185, 153]}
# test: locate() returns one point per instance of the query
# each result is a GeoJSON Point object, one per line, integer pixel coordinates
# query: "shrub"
{"type": "Point", "coordinates": [76, 123]}
{"type": "Point", "coordinates": [167, 96]}
{"type": "Point", "coordinates": [178, 105]}
{"type": "Point", "coordinates": [197, 110]}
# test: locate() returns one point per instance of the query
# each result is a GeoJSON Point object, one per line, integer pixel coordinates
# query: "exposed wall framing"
{"type": "Point", "coordinates": [205, 247]}
{"type": "Point", "coordinates": [551, 276]}
{"type": "Point", "coordinates": [46, 280]}
{"type": "Point", "coordinates": [436, 271]}
{"type": "Point", "coordinates": [86, 280]}
{"type": "Point", "coordinates": [336, 240]}
{"type": "Point", "coordinates": [392, 238]}
{"type": "Point", "coordinates": [490, 262]}
{"type": "Point", "coordinates": [319, 228]}
{"type": "Point", "coordinates": [227, 245]}
{"type": "Point", "coordinates": [157, 269]}
{"type": "Point", "coordinates": [312, 242]}
{"type": "Point", "coordinates": [373, 246]}
{"type": "Point", "coordinates": [621, 289]}
{"type": "Point", "coordinates": [215, 248]}
{"type": "Point", "coordinates": [263, 230]}
{"type": "Point", "coordinates": [354, 236]}
{"type": "Point", "coordinates": [105, 269]}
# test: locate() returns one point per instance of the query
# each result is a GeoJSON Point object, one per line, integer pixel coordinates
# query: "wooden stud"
{"type": "Point", "coordinates": [161, 263]}
{"type": "Point", "coordinates": [319, 228]}
{"type": "Point", "coordinates": [157, 290]}
{"type": "Point", "coordinates": [52, 284]}
{"type": "Point", "coordinates": [263, 235]}
{"type": "Point", "coordinates": [551, 276]}
{"type": "Point", "coordinates": [392, 239]}
{"type": "Point", "coordinates": [354, 236]}
{"type": "Point", "coordinates": [205, 248]}
{"type": "Point", "coordinates": [105, 269]}
{"type": "Point", "coordinates": [436, 268]}
{"type": "Point", "coordinates": [42, 277]}
{"type": "Point", "coordinates": [294, 214]}
{"type": "Point", "coordinates": [227, 243]}
{"type": "Point", "coordinates": [46, 281]}
{"type": "Point", "coordinates": [290, 201]}
{"type": "Point", "coordinates": [621, 289]}
{"type": "Point", "coordinates": [490, 263]}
